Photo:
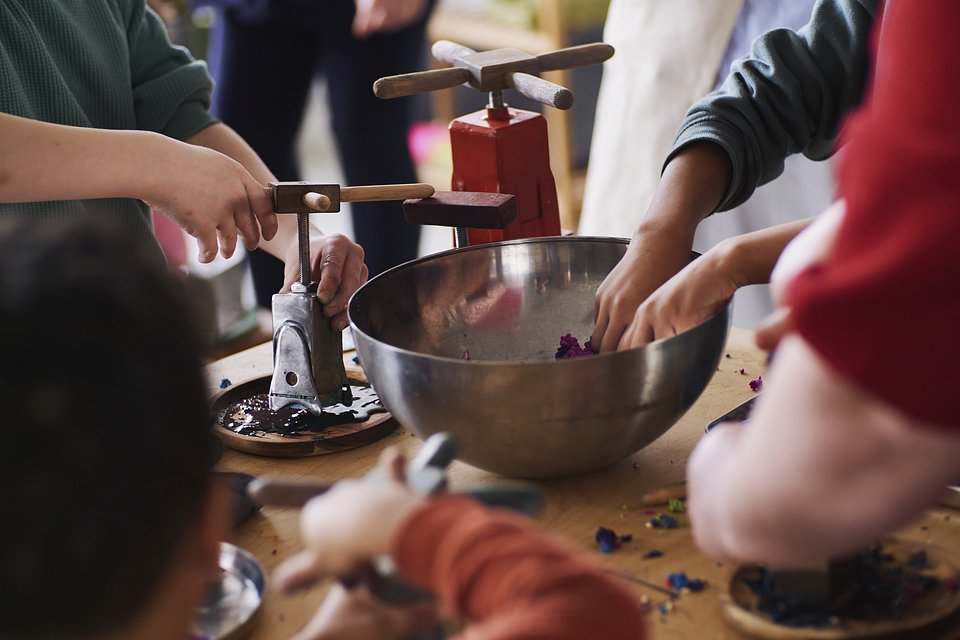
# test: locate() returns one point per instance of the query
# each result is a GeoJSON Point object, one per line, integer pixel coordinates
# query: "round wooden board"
{"type": "Point", "coordinates": [331, 440]}
{"type": "Point", "coordinates": [926, 618]}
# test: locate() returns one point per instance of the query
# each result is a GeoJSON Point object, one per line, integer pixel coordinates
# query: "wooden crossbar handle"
{"type": "Point", "coordinates": [446, 51]}
{"type": "Point", "coordinates": [543, 91]}
{"type": "Point", "coordinates": [376, 192]}
{"type": "Point", "coordinates": [408, 84]}
{"type": "Point", "coordinates": [494, 70]}
{"type": "Point", "coordinates": [579, 56]}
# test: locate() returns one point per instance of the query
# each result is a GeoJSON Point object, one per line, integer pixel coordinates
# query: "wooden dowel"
{"type": "Point", "coordinates": [446, 51]}
{"type": "Point", "coordinates": [579, 56]}
{"type": "Point", "coordinates": [316, 201]}
{"type": "Point", "coordinates": [370, 193]}
{"type": "Point", "coordinates": [543, 91]}
{"type": "Point", "coordinates": [409, 84]}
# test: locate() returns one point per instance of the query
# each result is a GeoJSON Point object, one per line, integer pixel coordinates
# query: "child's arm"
{"type": "Point", "coordinates": [210, 195]}
{"type": "Point", "coordinates": [858, 431]}
{"type": "Point", "coordinates": [488, 566]}
{"type": "Point", "coordinates": [821, 469]}
{"type": "Point", "coordinates": [789, 96]}
{"type": "Point", "coordinates": [508, 580]}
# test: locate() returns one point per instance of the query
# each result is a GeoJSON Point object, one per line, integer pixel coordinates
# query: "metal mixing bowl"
{"type": "Point", "coordinates": [514, 409]}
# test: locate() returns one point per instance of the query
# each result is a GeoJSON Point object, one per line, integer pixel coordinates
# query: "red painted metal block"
{"type": "Point", "coordinates": [506, 151]}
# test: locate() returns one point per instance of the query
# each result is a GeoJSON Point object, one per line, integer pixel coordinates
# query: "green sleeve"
{"type": "Point", "coordinates": [788, 96]}
{"type": "Point", "coordinates": [171, 90]}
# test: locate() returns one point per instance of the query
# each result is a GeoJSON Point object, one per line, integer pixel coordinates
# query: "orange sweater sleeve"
{"type": "Point", "coordinates": [509, 580]}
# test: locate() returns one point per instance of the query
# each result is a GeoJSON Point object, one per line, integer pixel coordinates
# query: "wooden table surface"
{"type": "Point", "coordinates": [575, 507]}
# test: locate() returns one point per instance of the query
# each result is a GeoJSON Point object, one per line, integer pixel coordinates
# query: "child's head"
{"type": "Point", "coordinates": [106, 440]}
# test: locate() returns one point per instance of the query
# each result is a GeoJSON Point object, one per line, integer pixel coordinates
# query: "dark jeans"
{"type": "Point", "coordinates": [263, 71]}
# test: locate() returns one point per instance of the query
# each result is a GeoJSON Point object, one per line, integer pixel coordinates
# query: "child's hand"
{"type": "Point", "coordinates": [650, 260]}
{"type": "Point", "coordinates": [692, 296]}
{"type": "Point", "coordinates": [338, 268]}
{"type": "Point", "coordinates": [385, 16]}
{"type": "Point", "coordinates": [211, 196]}
{"type": "Point", "coordinates": [352, 523]}
{"type": "Point", "coordinates": [342, 531]}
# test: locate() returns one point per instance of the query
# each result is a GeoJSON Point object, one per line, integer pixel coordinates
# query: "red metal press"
{"type": "Point", "coordinates": [500, 149]}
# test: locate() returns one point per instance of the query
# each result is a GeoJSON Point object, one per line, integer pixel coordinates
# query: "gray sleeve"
{"type": "Point", "coordinates": [788, 96]}
{"type": "Point", "coordinates": [171, 90]}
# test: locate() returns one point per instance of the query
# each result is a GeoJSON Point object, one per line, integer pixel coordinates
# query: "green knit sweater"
{"type": "Point", "coordinates": [97, 63]}
{"type": "Point", "coordinates": [790, 95]}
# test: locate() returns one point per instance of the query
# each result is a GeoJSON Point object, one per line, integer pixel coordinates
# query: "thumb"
{"type": "Point", "coordinates": [773, 328]}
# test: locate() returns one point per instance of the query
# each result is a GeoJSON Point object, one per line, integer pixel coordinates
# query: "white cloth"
{"type": "Point", "coordinates": [667, 54]}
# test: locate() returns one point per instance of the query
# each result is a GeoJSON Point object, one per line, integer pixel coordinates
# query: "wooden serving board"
{"type": "Point", "coordinates": [332, 439]}
{"type": "Point", "coordinates": [928, 617]}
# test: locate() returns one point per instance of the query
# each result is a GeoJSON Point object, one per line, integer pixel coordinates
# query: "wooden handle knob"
{"type": "Point", "coordinates": [543, 91]}
{"type": "Point", "coordinates": [375, 192]}
{"type": "Point", "coordinates": [316, 201]}
{"type": "Point", "coordinates": [446, 51]}
{"type": "Point", "coordinates": [579, 56]}
{"type": "Point", "coordinates": [420, 82]}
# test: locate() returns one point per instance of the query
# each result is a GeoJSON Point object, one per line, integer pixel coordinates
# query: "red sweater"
{"type": "Point", "coordinates": [884, 309]}
{"type": "Point", "coordinates": [509, 580]}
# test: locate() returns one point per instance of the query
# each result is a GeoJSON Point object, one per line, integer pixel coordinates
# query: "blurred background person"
{"type": "Point", "coordinates": [265, 55]}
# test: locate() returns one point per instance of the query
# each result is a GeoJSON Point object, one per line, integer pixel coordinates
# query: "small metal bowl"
{"type": "Point", "coordinates": [228, 612]}
{"type": "Point", "coordinates": [513, 409]}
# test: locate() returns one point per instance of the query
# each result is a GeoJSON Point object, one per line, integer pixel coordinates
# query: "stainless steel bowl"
{"type": "Point", "coordinates": [514, 409]}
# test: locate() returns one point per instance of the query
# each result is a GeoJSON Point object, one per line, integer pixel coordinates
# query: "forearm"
{"type": "Point", "coordinates": [509, 580]}
{"type": "Point", "coordinates": [690, 188]}
{"type": "Point", "coordinates": [821, 469]}
{"type": "Point", "coordinates": [40, 161]}
{"type": "Point", "coordinates": [750, 258]}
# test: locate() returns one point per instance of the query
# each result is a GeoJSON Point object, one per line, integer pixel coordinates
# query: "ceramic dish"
{"type": "Point", "coordinates": [232, 602]}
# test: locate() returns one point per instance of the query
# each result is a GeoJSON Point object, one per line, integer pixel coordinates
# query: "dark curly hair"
{"type": "Point", "coordinates": [106, 443]}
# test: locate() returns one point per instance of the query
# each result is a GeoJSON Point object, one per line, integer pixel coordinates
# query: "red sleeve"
{"type": "Point", "coordinates": [884, 310]}
{"type": "Point", "coordinates": [510, 580]}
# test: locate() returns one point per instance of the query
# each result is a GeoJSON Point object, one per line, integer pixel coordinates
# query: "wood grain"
{"type": "Point", "coordinates": [575, 507]}
{"type": "Point", "coordinates": [377, 192]}
{"type": "Point", "coordinates": [408, 84]}
{"type": "Point", "coordinates": [462, 209]}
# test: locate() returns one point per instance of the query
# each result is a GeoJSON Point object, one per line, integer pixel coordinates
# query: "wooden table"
{"type": "Point", "coordinates": [575, 506]}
